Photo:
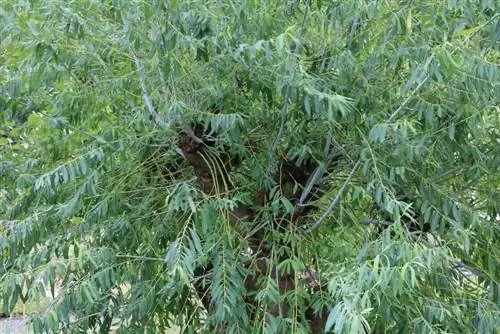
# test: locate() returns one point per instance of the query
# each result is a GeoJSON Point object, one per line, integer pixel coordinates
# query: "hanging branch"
{"type": "Point", "coordinates": [356, 165]}
{"type": "Point", "coordinates": [317, 176]}
{"type": "Point", "coordinates": [149, 103]}
{"type": "Point", "coordinates": [284, 111]}
{"type": "Point", "coordinates": [427, 77]}
{"type": "Point", "coordinates": [313, 180]}
{"type": "Point", "coordinates": [336, 199]}
{"type": "Point", "coordinates": [408, 98]}
{"type": "Point", "coordinates": [367, 221]}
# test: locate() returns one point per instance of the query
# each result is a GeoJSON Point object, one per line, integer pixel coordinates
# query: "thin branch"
{"type": "Point", "coordinates": [461, 268]}
{"type": "Point", "coordinates": [147, 98]}
{"type": "Point", "coordinates": [317, 176]}
{"type": "Point", "coordinates": [284, 112]}
{"type": "Point", "coordinates": [143, 258]}
{"type": "Point", "coordinates": [391, 118]}
{"type": "Point", "coordinates": [341, 191]}
{"type": "Point", "coordinates": [408, 98]}
{"type": "Point", "coordinates": [427, 77]}
{"type": "Point", "coordinates": [191, 134]}
{"type": "Point", "coordinates": [336, 199]}
{"type": "Point", "coordinates": [458, 266]}
{"type": "Point", "coordinates": [329, 142]}
{"type": "Point", "coordinates": [465, 269]}
{"type": "Point", "coordinates": [444, 174]}
{"type": "Point", "coordinates": [367, 221]}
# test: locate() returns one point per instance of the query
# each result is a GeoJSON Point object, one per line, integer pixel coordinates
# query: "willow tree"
{"type": "Point", "coordinates": [251, 166]}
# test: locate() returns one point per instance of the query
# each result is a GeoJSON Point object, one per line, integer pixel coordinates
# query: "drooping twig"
{"type": "Point", "coordinates": [455, 170]}
{"type": "Point", "coordinates": [408, 98]}
{"type": "Point", "coordinates": [149, 103]}
{"type": "Point", "coordinates": [464, 269]}
{"type": "Point", "coordinates": [336, 199]}
{"type": "Point", "coordinates": [344, 186]}
{"type": "Point", "coordinates": [459, 267]}
{"type": "Point", "coordinates": [313, 179]}
{"type": "Point", "coordinates": [190, 133]}
{"type": "Point", "coordinates": [427, 77]}
{"type": "Point", "coordinates": [284, 111]}
{"type": "Point", "coordinates": [367, 221]}
{"type": "Point", "coordinates": [317, 175]}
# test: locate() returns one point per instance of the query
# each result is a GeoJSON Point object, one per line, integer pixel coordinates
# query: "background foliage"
{"type": "Point", "coordinates": [251, 166]}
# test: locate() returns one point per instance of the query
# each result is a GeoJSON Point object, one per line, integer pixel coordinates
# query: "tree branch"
{"type": "Point", "coordinates": [391, 118]}
{"type": "Point", "coordinates": [463, 268]}
{"type": "Point", "coordinates": [317, 176]}
{"type": "Point", "coordinates": [367, 221]}
{"type": "Point", "coordinates": [405, 102]}
{"type": "Point", "coordinates": [149, 103]}
{"type": "Point", "coordinates": [460, 267]}
{"type": "Point", "coordinates": [336, 199]}
{"type": "Point", "coordinates": [284, 112]}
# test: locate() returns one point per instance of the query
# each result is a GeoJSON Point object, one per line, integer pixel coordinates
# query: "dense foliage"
{"type": "Point", "coordinates": [251, 166]}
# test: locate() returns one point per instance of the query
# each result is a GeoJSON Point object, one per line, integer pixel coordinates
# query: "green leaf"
{"type": "Point", "coordinates": [378, 133]}
{"type": "Point", "coordinates": [172, 254]}
{"type": "Point", "coordinates": [307, 105]}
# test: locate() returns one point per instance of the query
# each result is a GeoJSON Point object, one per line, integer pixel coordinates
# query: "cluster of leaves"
{"type": "Point", "coordinates": [136, 138]}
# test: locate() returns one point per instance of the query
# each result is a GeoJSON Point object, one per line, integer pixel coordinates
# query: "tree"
{"type": "Point", "coordinates": [251, 166]}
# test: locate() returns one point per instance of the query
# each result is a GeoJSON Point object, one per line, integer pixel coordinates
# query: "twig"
{"type": "Point", "coordinates": [391, 118]}
{"type": "Point", "coordinates": [394, 114]}
{"type": "Point", "coordinates": [460, 266]}
{"type": "Point", "coordinates": [284, 112]}
{"type": "Point", "coordinates": [329, 142]}
{"type": "Point", "coordinates": [316, 176]}
{"type": "Point", "coordinates": [320, 169]}
{"type": "Point", "coordinates": [144, 258]}
{"type": "Point", "coordinates": [408, 98]}
{"type": "Point", "coordinates": [442, 175]}
{"type": "Point", "coordinates": [375, 222]}
{"type": "Point", "coordinates": [336, 199]}
{"type": "Point", "coordinates": [147, 98]}
{"type": "Point", "coordinates": [191, 134]}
